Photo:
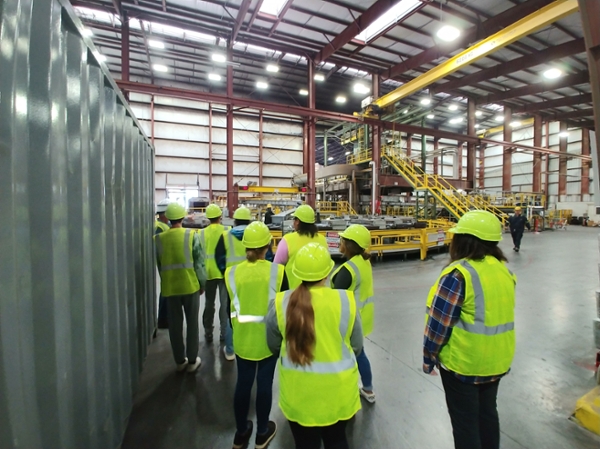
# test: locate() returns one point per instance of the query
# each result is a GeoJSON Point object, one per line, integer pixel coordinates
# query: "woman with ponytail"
{"type": "Point", "coordinates": [317, 332]}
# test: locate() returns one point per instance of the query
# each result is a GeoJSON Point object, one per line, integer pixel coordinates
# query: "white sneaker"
{"type": "Point", "coordinates": [229, 357]}
{"type": "Point", "coordinates": [192, 367]}
{"type": "Point", "coordinates": [370, 397]}
{"type": "Point", "coordinates": [181, 366]}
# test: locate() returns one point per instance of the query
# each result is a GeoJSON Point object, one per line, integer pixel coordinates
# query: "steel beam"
{"type": "Point", "coordinates": [471, 150]}
{"type": "Point", "coordinates": [537, 157]}
{"type": "Point", "coordinates": [282, 13]}
{"type": "Point", "coordinates": [260, 148]}
{"type": "Point", "coordinates": [232, 197]}
{"type": "Point", "coordinates": [408, 144]}
{"type": "Point", "coordinates": [551, 104]}
{"type": "Point", "coordinates": [125, 49]}
{"type": "Point", "coordinates": [507, 152]}
{"type": "Point", "coordinates": [312, 136]}
{"type": "Point", "coordinates": [376, 130]}
{"type": "Point", "coordinates": [210, 153]}
{"type": "Point", "coordinates": [254, 14]}
{"type": "Point", "coordinates": [240, 19]}
{"type": "Point", "coordinates": [562, 163]}
{"type": "Point", "coordinates": [561, 116]}
{"type": "Point", "coordinates": [459, 159]}
{"type": "Point", "coordinates": [585, 166]}
{"type": "Point", "coordinates": [436, 146]}
{"type": "Point", "coordinates": [481, 167]}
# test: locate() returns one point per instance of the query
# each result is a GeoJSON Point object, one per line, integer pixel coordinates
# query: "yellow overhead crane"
{"type": "Point", "coordinates": [527, 25]}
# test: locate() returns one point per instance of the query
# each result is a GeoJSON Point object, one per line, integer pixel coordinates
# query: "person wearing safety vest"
{"type": "Point", "coordinates": [469, 331]}
{"type": "Point", "coordinates": [230, 251]}
{"type": "Point", "coordinates": [316, 331]}
{"type": "Point", "coordinates": [161, 225]}
{"type": "Point", "coordinates": [305, 232]}
{"type": "Point", "coordinates": [252, 285]}
{"type": "Point", "coordinates": [180, 262]}
{"type": "Point", "coordinates": [209, 237]}
{"type": "Point", "coordinates": [356, 275]}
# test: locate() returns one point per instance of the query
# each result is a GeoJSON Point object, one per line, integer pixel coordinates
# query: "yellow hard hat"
{"type": "Point", "coordinates": [175, 211]}
{"type": "Point", "coordinates": [313, 263]}
{"type": "Point", "coordinates": [256, 235]}
{"type": "Point", "coordinates": [517, 208]}
{"type": "Point", "coordinates": [305, 214]}
{"type": "Point", "coordinates": [269, 206]}
{"type": "Point", "coordinates": [359, 234]}
{"type": "Point", "coordinates": [213, 211]}
{"type": "Point", "coordinates": [242, 213]}
{"type": "Point", "coordinates": [480, 223]}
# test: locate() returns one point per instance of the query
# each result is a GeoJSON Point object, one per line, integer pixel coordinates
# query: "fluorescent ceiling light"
{"type": "Point", "coordinates": [563, 134]}
{"type": "Point", "coordinates": [499, 118]}
{"type": "Point", "coordinates": [553, 73]}
{"type": "Point", "coordinates": [100, 57]}
{"type": "Point", "coordinates": [393, 15]}
{"type": "Point", "coordinates": [214, 77]}
{"type": "Point", "coordinates": [218, 57]}
{"type": "Point", "coordinates": [426, 101]}
{"type": "Point", "coordinates": [330, 158]}
{"type": "Point", "coordinates": [319, 77]}
{"type": "Point", "coordinates": [340, 99]}
{"type": "Point", "coordinates": [261, 85]}
{"type": "Point", "coordinates": [272, 68]}
{"type": "Point", "coordinates": [303, 92]}
{"type": "Point", "coordinates": [348, 153]}
{"type": "Point", "coordinates": [456, 120]}
{"type": "Point", "coordinates": [453, 107]}
{"type": "Point", "coordinates": [361, 89]}
{"type": "Point", "coordinates": [87, 32]}
{"type": "Point", "coordinates": [478, 113]}
{"type": "Point", "coordinates": [515, 124]}
{"type": "Point", "coordinates": [272, 7]}
{"type": "Point", "coordinates": [448, 33]}
{"type": "Point", "coordinates": [405, 111]}
{"type": "Point", "coordinates": [160, 68]}
{"type": "Point", "coordinates": [476, 125]}
{"type": "Point", "coordinates": [430, 116]}
{"type": "Point", "coordinates": [156, 44]}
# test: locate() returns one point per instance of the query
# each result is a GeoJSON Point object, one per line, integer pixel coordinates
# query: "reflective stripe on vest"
{"type": "Point", "coordinates": [189, 263]}
{"type": "Point", "coordinates": [359, 302]}
{"type": "Point", "coordinates": [348, 359]}
{"type": "Point", "coordinates": [203, 243]}
{"type": "Point", "coordinates": [231, 257]}
{"type": "Point", "coordinates": [236, 300]}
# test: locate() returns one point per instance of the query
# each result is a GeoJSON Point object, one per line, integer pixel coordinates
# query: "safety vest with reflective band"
{"type": "Point", "coordinates": [174, 251]}
{"type": "Point", "coordinates": [294, 243]}
{"type": "Point", "coordinates": [483, 341]}
{"type": "Point", "coordinates": [362, 286]}
{"type": "Point", "coordinates": [251, 287]}
{"type": "Point", "coordinates": [209, 237]}
{"type": "Point", "coordinates": [324, 392]}
{"type": "Point", "coordinates": [159, 225]}
{"type": "Point", "coordinates": [235, 251]}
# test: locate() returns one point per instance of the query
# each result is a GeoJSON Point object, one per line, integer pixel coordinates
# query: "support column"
{"type": "Point", "coordinates": [537, 156]}
{"type": "Point", "coordinates": [507, 152]}
{"type": "Point", "coordinates": [562, 163]}
{"type": "Point", "coordinates": [260, 148]}
{"type": "Point", "coordinates": [376, 133]}
{"type": "Point", "coordinates": [210, 153]}
{"type": "Point", "coordinates": [305, 147]}
{"type": "Point", "coordinates": [408, 144]}
{"type": "Point", "coordinates": [125, 50]}
{"type": "Point", "coordinates": [436, 146]}
{"type": "Point", "coordinates": [152, 119]}
{"type": "Point", "coordinates": [459, 158]}
{"type": "Point", "coordinates": [547, 181]}
{"type": "Point", "coordinates": [232, 203]}
{"type": "Point", "coordinates": [312, 137]}
{"type": "Point", "coordinates": [585, 165]}
{"type": "Point", "coordinates": [482, 165]}
{"type": "Point", "coordinates": [471, 149]}
{"type": "Point", "coordinates": [423, 149]}
{"type": "Point", "coordinates": [325, 156]}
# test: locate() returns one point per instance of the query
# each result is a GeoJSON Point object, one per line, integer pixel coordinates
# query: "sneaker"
{"type": "Point", "coordinates": [517, 249]}
{"type": "Point", "coordinates": [263, 440]}
{"type": "Point", "coordinates": [181, 366]}
{"type": "Point", "coordinates": [228, 356]}
{"type": "Point", "coordinates": [192, 367]}
{"type": "Point", "coordinates": [369, 396]}
{"type": "Point", "coordinates": [241, 440]}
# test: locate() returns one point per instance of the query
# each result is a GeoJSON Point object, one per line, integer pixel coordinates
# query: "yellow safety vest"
{"type": "Point", "coordinates": [235, 251]}
{"type": "Point", "coordinates": [294, 243]}
{"type": "Point", "coordinates": [324, 392]}
{"type": "Point", "coordinates": [362, 286]}
{"type": "Point", "coordinates": [160, 225]}
{"type": "Point", "coordinates": [251, 287]}
{"type": "Point", "coordinates": [209, 237]}
{"type": "Point", "coordinates": [174, 252]}
{"type": "Point", "coordinates": [483, 341]}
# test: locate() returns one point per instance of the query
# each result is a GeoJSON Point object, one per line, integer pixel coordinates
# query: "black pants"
{"type": "Point", "coordinates": [333, 437]}
{"type": "Point", "coordinates": [473, 413]}
{"type": "Point", "coordinates": [517, 236]}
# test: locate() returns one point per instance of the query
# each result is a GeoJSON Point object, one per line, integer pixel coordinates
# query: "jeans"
{"type": "Point", "coordinates": [473, 412]}
{"type": "Point", "coordinates": [263, 370]}
{"type": "Point", "coordinates": [516, 237]}
{"type": "Point", "coordinates": [163, 315]}
{"type": "Point", "coordinates": [190, 304]}
{"type": "Point", "coordinates": [209, 311]}
{"type": "Point", "coordinates": [364, 368]}
{"type": "Point", "coordinates": [333, 436]}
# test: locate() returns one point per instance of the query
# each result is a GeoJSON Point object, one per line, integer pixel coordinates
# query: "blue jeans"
{"type": "Point", "coordinates": [364, 368]}
{"type": "Point", "coordinates": [264, 371]}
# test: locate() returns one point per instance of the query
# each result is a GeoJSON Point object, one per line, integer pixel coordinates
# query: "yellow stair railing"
{"type": "Point", "coordinates": [338, 208]}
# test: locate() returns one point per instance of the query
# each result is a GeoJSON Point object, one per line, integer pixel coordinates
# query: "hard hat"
{"type": "Point", "coordinates": [313, 263]}
{"type": "Point", "coordinates": [359, 234]}
{"type": "Point", "coordinates": [242, 213]}
{"type": "Point", "coordinates": [175, 211]}
{"type": "Point", "coordinates": [213, 211]}
{"type": "Point", "coordinates": [269, 206]}
{"type": "Point", "coordinates": [517, 208]}
{"type": "Point", "coordinates": [256, 235]}
{"type": "Point", "coordinates": [162, 206]}
{"type": "Point", "coordinates": [305, 214]}
{"type": "Point", "coordinates": [481, 224]}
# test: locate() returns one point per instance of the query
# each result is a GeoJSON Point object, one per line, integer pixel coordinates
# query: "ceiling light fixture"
{"type": "Point", "coordinates": [87, 32]}
{"type": "Point", "coordinates": [553, 73]}
{"type": "Point", "coordinates": [430, 116]}
{"type": "Point", "coordinates": [515, 124]}
{"type": "Point", "coordinates": [261, 85]}
{"type": "Point", "coordinates": [340, 99]}
{"type": "Point", "coordinates": [478, 113]}
{"type": "Point", "coordinates": [563, 134]}
{"type": "Point", "coordinates": [272, 7]}
{"type": "Point", "coordinates": [361, 89]}
{"type": "Point", "coordinates": [453, 107]}
{"type": "Point", "coordinates": [499, 118]}
{"type": "Point", "coordinates": [218, 57]}
{"type": "Point", "coordinates": [160, 68]}
{"type": "Point", "coordinates": [405, 111]}
{"type": "Point", "coordinates": [272, 68]}
{"type": "Point", "coordinates": [448, 33]}
{"type": "Point", "coordinates": [100, 57]}
{"type": "Point", "coordinates": [214, 77]}
{"type": "Point", "coordinates": [348, 153]}
{"type": "Point", "coordinates": [426, 101]}
{"type": "Point", "coordinates": [303, 92]}
{"type": "Point", "coordinates": [390, 17]}
{"type": "Point", "coordinates": [319, 77]}
{"type": "Point", "coordinates": [330, 158]}
{"type": "Point", "coordinates": [476, 125]}
{"type": "Point", "coordinates": [456, 120]}
{"type": "Point", "coordinates": [156, 44]}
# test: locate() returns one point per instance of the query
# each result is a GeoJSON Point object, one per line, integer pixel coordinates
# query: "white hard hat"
{"type": "Point", "coordinates": [162, 206]}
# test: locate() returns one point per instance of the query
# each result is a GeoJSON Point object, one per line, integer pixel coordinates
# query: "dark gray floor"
{"type": "Point", "coordinates": [558, 275]}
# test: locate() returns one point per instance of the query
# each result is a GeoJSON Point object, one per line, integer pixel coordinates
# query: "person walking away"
{"type": "Point", "coordinates": [180, 262]}
{"type": "Point", "coordinates": [469, 331]}
{"type": "Point", "coordinates": [230, 251]}
{"type": "Point", "coordinates": [161, 225]}
{"type": "Point", "coordinates": [251, 286]}
{"type": "Point", "coordinates": [517, 224]}
{"type": "Point", "coordinates": [305, 232]}
{"type": "Point", "coordinates": [356, 275]}
{"type": "Point", "coordinates": [209, 237]}
{"type": "Point", "coordinates": [317, 332]}
{"type": "Point", "coordinates": [269, 215]}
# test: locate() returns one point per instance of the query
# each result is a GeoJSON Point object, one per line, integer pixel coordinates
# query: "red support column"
{"type": "Point", "coordinates": [305, 147]}
{"type": "Point", "coordinates": [152, 119]}
{"type": "Point", "coordinates": [260, 148]}
{"type": "Point", "coordinates": [436, 146]}
{"type": "Point", "coordinates": [459, 158]}
{"type": "Point", "coordinates": [471, 149]}
{"type": "Point", "coordinates": [547, 181]}
{"type": "Point", "coordinates": [376, 134]}
{"type": "Point", "coordinates": [312, 136]}
{"type": "Point", "coordinates": [482, 166]}
{"type": "Point", "coordinates": [408, 144]}
{"type": "Point", "coordinates": [585, 165]}
{"type": "Point", "coordinates": [232, 202]}
{"type": "Point", "coordinates": [210, 153]}
{"type": "Point", "coordinates": [507, 152]}
{"type": "Point", "coordinates": [562, 163]}
{"type": "Point", "coordinates": [125, 50]}
{"type": "Point", "coordinates": [537, 156]}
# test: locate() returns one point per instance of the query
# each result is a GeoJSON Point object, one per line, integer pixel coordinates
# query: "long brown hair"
{"type": "Point", "coordinates": [350, 249]}
{"type": "Point", "coordinates": [253, 254]}
{"type": "Point", "coordinates": [300, 334]}
{"type": "Point", "coordinates": [467, 246]}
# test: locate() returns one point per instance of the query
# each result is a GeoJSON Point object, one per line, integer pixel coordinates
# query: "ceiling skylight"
{"type": "Point", "coordinates": [396, 13]}
{"type": "Point", "coordinates": [272, 7]}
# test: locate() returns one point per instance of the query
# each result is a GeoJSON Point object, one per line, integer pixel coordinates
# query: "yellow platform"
{"type": "Point", "coordinates": [587, 411]}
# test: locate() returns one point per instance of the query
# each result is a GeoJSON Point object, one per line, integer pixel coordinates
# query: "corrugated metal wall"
{"type": "Point", "coordinates": [77, 283]}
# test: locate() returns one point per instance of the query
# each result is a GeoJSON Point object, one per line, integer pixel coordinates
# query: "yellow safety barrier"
{"type": "Point", "coordinates": [338, 208]}
{"type": "Point", "coordinates": [360, 157]}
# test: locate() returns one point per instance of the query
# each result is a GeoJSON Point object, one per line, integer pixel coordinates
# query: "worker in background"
{"type": "Point", "coordinates": [305, 232]}
{"type": "Point", "coordinates": [252, 285]}
{"type": "Point", "coordinates": [230, 251]}
{"type": "Point", "coordinates": [209, 237]}
{"type": "Point", "coordinates": [269, 215]}
{"type": "Point", "coordinates": [161, 225]}
{"type": "Point", "coordinates": [180, 262]}
{"type": "Point", "coordinates": [469, 331]}
{"type": "Point", "coordinates": [356, 275]}
{"type": "Point", "coordinates": [317, 332]}
{"type": "Point", "coordinates": [517, 224]}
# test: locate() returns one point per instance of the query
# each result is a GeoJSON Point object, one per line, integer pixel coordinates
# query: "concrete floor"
{"type": "Point", "coordinates": [558, 275]}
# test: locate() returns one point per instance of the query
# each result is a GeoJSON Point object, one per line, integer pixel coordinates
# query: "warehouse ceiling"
{"type": "Point", "coordinates": [179, 43]}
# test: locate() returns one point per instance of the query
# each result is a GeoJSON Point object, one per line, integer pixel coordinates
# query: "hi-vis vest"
{"type": "Point", "coordinates": [209, 237]}
{"type": "Point", "coordinates": [251, 287]}
{"type": "Point", "coordinates": [160, 225]}
{"type": "Point", "coordinates": [174, 251]}
{"type": "Point", "coordinates": [235, 251]}
{"type": "Point", "coordinates": [362, 286]}
{"type": "Point", "coordinates": [295, 242]}
{"type": "Point", "coordinates": [483, 341]}
{"type": "Point", "coordinates": [324, 392]}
